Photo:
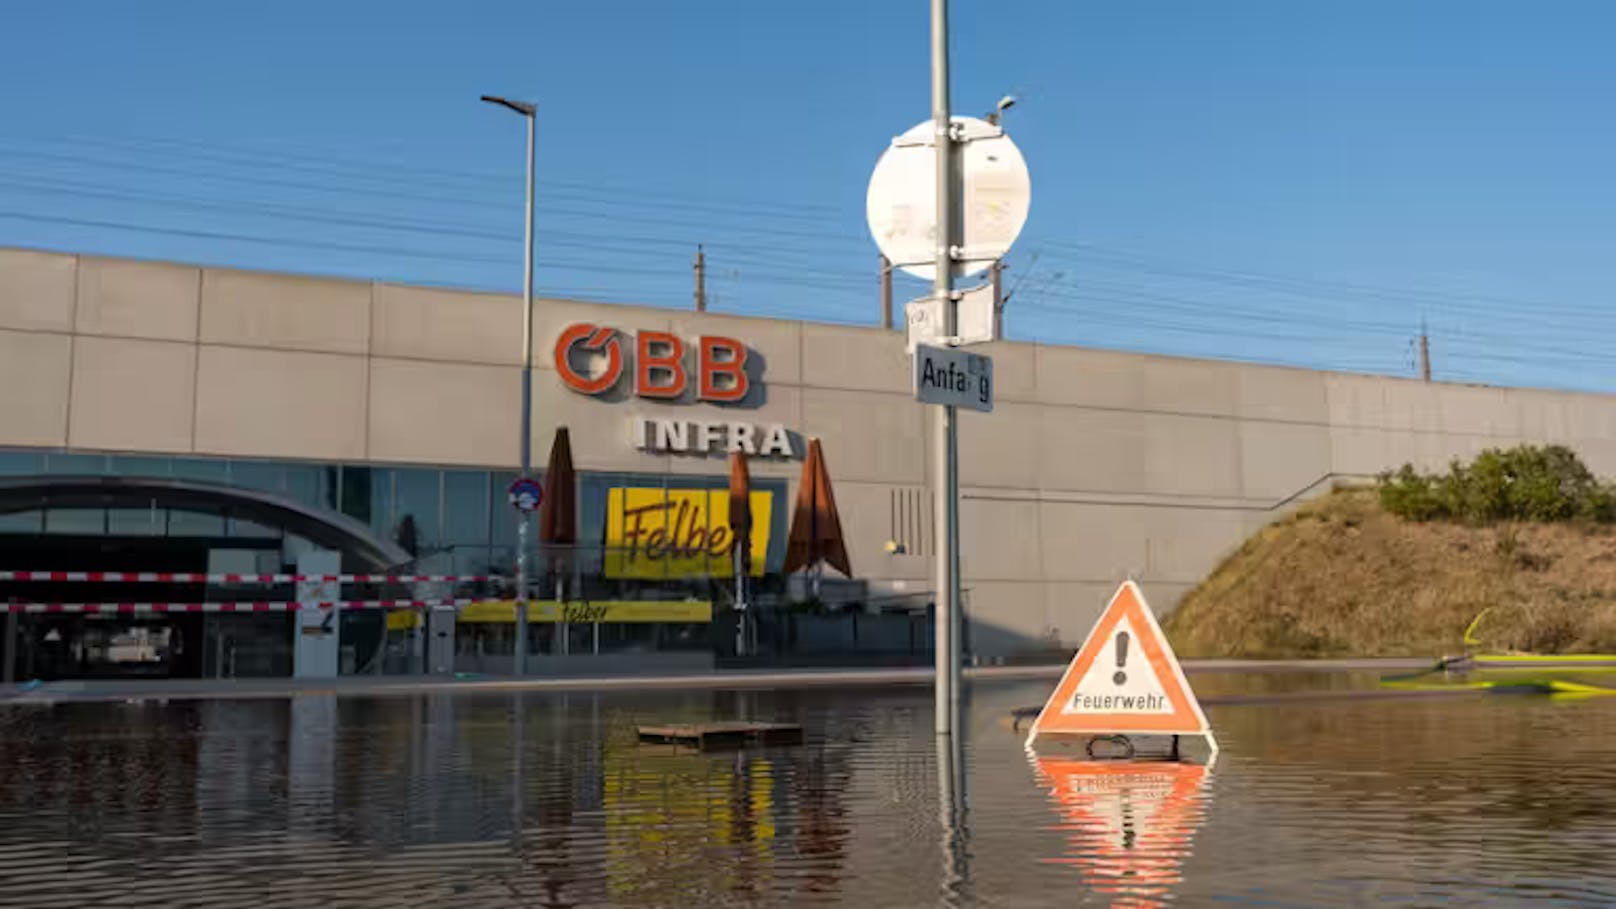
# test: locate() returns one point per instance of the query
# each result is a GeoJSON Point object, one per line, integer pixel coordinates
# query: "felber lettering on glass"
{"type": "Point", "coordinates": [661, 533]}
{"type": "Point", "coordinates": [683, 538]}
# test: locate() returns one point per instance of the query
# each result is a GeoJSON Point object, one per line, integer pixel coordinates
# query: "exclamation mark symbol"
{"type": "Point", "coordinates": [1122, 658]}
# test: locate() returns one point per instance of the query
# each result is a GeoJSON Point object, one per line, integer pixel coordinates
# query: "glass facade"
{"type": "Point", "coordinates": [450, 521]}
{"type": "Point", "coordinates": [448, 515]}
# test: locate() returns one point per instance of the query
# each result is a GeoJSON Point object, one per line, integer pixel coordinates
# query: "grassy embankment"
{"type": "Point", "coordinates": [1344, 576]}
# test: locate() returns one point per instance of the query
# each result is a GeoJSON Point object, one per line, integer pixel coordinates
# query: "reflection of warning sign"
{"type": "Point", "coordinates": [1129, 825]}
{"type": "Point", "coordinates": [1123, 679]}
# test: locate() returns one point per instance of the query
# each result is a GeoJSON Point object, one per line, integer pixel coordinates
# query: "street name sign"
{"type": "Point", "coordinates": [948, 375]}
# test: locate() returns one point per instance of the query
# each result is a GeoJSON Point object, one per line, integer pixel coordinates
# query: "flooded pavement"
{"type": "Point", "coordinates": [547, 799]}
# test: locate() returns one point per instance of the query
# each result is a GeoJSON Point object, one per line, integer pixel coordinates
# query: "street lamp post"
{"type": "Point", "coordinates": [524, 519]}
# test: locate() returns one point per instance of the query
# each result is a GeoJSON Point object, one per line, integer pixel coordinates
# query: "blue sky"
{"type": "Point", "coordinates": [1299, 182]}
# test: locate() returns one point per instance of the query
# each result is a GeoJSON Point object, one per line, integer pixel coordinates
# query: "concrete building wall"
{"type": "Point", "coordinates": [1095, 466]}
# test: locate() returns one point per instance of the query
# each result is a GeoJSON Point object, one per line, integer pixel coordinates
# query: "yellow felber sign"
{"type": "Point", "coordinates": [504, 611]}
{"type": "Point", "coordinates": [678, 533]}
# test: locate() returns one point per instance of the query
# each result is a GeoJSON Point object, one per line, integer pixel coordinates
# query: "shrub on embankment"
{"type": "Point", "coordinates": [1527, 535]}
{"type": "Point", "coordinates": [1526, 483]}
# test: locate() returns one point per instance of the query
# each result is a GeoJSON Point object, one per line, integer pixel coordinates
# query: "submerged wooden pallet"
{"type": "Point", "coordinates": [723, 735]}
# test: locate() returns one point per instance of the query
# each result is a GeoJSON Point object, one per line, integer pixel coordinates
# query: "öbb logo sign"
{"type": "Point", "coordinates": [659, 364]}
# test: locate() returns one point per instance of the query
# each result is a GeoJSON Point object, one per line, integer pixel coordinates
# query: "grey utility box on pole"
{"type": "Point", "coordinates": [440, 641]}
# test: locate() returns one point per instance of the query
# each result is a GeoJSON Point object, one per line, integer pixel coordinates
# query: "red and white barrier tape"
{"type": "Point", "coordinates": [180, 577]}
{"type": "Point", "coordinates": [228, 607]}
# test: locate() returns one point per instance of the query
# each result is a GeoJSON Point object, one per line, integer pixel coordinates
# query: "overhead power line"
{"type": "Point", "coordinates": [757, 251]}
{"type": "Point", "coordinates": [1312, 287]}
{"type": "Point", "coordinates": [353, 178]}
{"type": "Point", "coordinates": [335, 163]}
{"type": "Point", "coordinates": [443, 229]}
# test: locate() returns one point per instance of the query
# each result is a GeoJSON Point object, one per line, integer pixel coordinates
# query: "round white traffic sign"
{"type": "Point", "coordinates": [525, 494]}
{"type": "Point", "coordinates": [901, 204]}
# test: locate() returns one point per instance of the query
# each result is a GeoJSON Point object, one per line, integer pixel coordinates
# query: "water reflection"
{"type": "Point", "coordinates": [501, 801]}
{"type": "Point", "coordinates": [953, 813]}
{"type": "Point", "coordinates": [700, 824]}
{"type": "Point", "coordinates": [1129, 825]}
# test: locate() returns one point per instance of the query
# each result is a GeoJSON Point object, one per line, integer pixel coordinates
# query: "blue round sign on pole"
{"type": "Point", "coordinates": [526, 494]}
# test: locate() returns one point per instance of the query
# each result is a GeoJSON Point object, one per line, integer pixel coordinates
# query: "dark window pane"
{"type": "Point", "coordinates": [241, 527]}
{"type": "Point", "coordinates": [416, 510]}
{"type": "Point", "coordinates": [76, 464]}
{"type": "Point", "coordinates": [381, 502]}
{"type": "Point", "coordinates": [479, 561]}
{"type": "Point", "coordinates": [76, 521]}
{"type": "Point", "coordinates": [356, 493]}
{"type": "Point", "coordinates": [291, 545]}
{"type": "Point", "coordinates": [616, 637]}
{"type": "Point", "coordinates": [504, 516]}
{"type": "Point", "coordinates": [465, 504]}
{"type": "Point", "coordinates": [143, 467]}
{"type": "Point", "coordinates": [502, 561]}
{"type": "Point", "coordinates": [264, 476]}
{"type": "Point", "coordinates": [205, 470]}
{"type": "Point", "coordinates": [138, 522]}
{"type": "Point", "coordinates": [310, 485]}
{"type": "Point", "coordinates": [29, 522]}
{"type": "Point", "coordinates": [194, 524]}
{"type": "Point", "coordinates": [20, 463]}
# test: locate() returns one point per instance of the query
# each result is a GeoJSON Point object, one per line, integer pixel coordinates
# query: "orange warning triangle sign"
{"type": "Point", "coordinates": [1123, 679]}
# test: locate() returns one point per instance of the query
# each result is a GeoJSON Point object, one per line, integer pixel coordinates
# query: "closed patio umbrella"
{"type": "Point", "coordinates": [740, 508]}
{"type": "Point", "coordinates": [740, 526]}
{"type": "Point", "coordinates": [558, 517]}
{"type": "Point", "coordinates": [558, 514]}
{"type": "Point", "coordinates": [816, 527]}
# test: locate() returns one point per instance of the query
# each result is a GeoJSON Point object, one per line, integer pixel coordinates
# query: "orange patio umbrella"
{"type": "Point", "coordinates": [816, 528]}
{"type": "Point", "coordinates": [740, 508]}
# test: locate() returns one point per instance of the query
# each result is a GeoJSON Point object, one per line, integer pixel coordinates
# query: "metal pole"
{"type": "Point", "coordinates": [8, 662]}
{"type": "Point", "coordinates": [738, 558]}
{"type": "Point", "coordinates": [524, 519]}
{"type": "Point", "coordinates": [946, 619]}
{"type": "Point", "coordinates": [1425, 353]}
{"type": "Point", "coordinates": [996, 273]}
{"type": "Point", "coordinates": [886, 292]}
{"type": "Point", "coordinates": [701, 280]}
{"type": "Point", "coordinates": [563, 627]}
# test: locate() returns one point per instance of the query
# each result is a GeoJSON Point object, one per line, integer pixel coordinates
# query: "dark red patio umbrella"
{"type": "Point", "coordinates": [558, 514]}
{"type": "Point", "coordinates": [558, 519]}
{"type": "Point", "coordinates": [816, 528]}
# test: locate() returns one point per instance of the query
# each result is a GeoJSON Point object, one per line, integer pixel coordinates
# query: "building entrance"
{"type": "Point", "coordinates": [67, 645]}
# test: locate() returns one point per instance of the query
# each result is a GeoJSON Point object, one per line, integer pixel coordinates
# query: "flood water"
{"type": "Point", "coordinates": [548, 800]}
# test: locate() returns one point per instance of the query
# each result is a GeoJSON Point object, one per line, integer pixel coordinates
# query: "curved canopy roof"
{"type": "Point", "coordinates": [323, 528]}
